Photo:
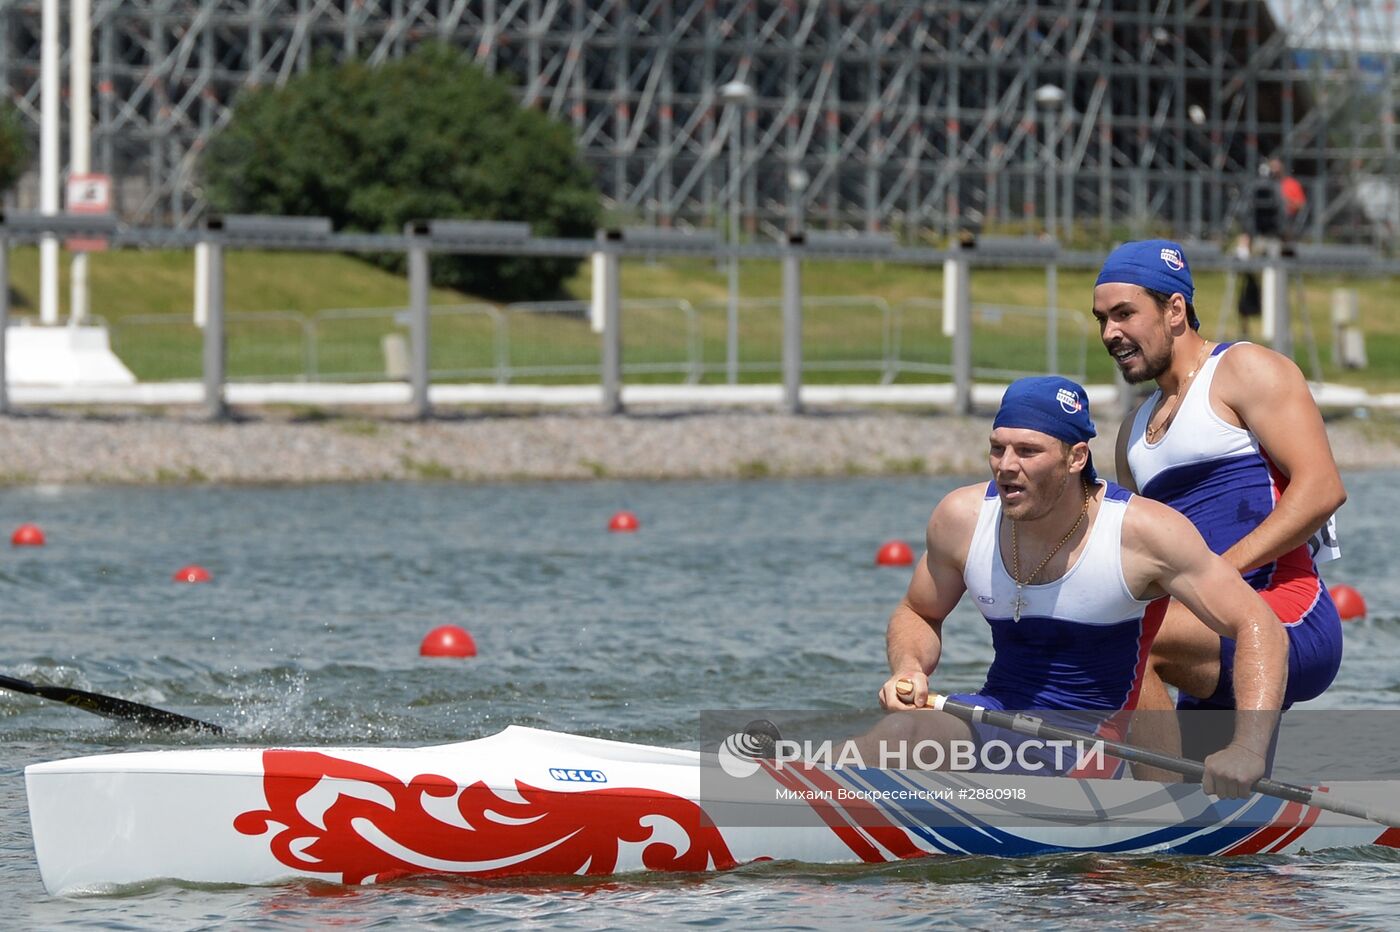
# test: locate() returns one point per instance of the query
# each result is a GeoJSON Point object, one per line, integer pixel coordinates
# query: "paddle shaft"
{"type": "Point", "coordinates": [110, 706]}
{"type": "Point", "coordinates": [1037, 728]}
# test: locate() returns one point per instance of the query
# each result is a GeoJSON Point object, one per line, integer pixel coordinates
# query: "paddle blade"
{"type": "Point", "coordinates": [110, 706]}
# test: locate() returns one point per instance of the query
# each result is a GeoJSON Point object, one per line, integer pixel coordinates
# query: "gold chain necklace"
{"type": "Point", "coordinates": [1165, 418]}
{"type": "Point", "coordinates": [1020, 602]}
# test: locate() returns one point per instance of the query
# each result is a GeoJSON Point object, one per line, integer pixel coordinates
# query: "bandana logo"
{"type": "Point", "coordinates": [1173, 260]}
{"type": "Point", "coordinates": [1069, 401]}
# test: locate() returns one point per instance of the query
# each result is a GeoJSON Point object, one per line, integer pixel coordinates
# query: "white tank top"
{"type": "Point", "coordinates": [1214, 472]}
{"type": "Point", "coordinates": [1091, 592]}
{"type": "Point", "coordinates": [1203, 434]}
{"type": "Point", "coordinates": [1082, 640]}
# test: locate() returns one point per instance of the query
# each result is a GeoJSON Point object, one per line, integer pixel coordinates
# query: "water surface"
{"type": "Point", "coordinates": [752, 593]}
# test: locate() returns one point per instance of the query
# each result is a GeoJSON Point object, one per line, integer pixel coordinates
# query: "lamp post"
{"type": "Point", "coordinates": [797, 181]}
{"type": "Point", "coordinates": [1197, 115]}
{"type": "Point", "coordinates": [792, 291]}
{"type": "Point", "coordinates": [735, 94]}
{"type": "Point", "coordinates": [1048, 98]}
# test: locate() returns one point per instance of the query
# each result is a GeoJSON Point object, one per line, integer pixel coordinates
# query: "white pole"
{"type": "Point", "coordinates": [736, 95]}
{"type": "Point", "coordinates": [79, 129]}
{"type": "Point", "coordinates": [1050, 180]}
{"type": "Point", "coordinates": [49, 117]}
{"type": "Point", "coordinates": [596, 309]}
{"type": "Point", "coordinates": [1276, 326]}
{"type": "Point", "coordinates": [955, 295]}
{"type": "Point", "coordinates": [201, 283]}
{"type": "Point", "coordinates": [731, 350]}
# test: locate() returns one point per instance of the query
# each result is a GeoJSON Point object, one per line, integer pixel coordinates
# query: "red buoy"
{"type": "Point", "coordinates": [894, 553]}
{"type": "Point", "coordinates": [193, 573]}
{"type": "Point", "coordinates": [624, 521]}
{"type": "Point", "coordinates": [1350, 604]}
{"type": "Point", "coordinates": [27, 535]}
{"type": "Point", "coordinates": [448, 641]}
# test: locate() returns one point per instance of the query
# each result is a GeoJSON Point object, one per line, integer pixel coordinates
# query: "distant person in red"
{"type": "Point", "coordinates": [1292, 195]}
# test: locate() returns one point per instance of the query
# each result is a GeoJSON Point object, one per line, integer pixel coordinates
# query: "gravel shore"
{"type": "Point", "coordinates": [272, 446]}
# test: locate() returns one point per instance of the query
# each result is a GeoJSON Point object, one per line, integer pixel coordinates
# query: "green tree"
{"type": "Point", "coordinates": [14, 147]}
{"type": "Point", "coordinates": [430, 135]}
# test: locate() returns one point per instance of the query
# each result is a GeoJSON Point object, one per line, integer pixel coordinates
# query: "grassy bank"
{"type": "Point", "coordinates": [284, 323]}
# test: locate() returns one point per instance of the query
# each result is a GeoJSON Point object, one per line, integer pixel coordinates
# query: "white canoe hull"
{"type": "Point", "coordinates": [535, 802]}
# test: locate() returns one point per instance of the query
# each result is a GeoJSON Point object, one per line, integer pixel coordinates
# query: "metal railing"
{"type": "Point", "coordinates": [172, 346]}
{"type": "Point", "coordinates": [1001, 332]}
{"type": "Point", "coordinates": [663, 351]}
{"type": "Point", "coordinates": [469, 342]}
{"type": "Point", "coordinates": [761, 326]}
{"type": "Point", "coordinates": [491, 341]}
{"type": "Point", "coordinates": [554, 339]}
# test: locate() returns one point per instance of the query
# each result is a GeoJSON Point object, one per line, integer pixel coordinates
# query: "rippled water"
{"type": "Point", "coordinates": [764, 591]}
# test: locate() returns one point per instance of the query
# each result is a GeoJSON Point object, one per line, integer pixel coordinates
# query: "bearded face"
{"type": "Point", "coordinates": [1134, 330]}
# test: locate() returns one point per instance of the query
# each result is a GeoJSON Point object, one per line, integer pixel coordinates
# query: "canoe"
{"type": "Point", "coordinates": [527, 801]}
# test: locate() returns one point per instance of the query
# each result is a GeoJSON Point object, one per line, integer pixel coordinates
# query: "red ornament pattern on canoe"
{"type": "Point", "coordinates": [376, 827]}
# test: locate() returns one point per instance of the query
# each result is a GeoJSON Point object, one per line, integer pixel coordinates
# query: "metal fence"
{"type": "Point", "coordinates": [1002, 334]}
{"type": "Point", "coordinates": [641, 341]}
{"type": "Point", "coordinates": [850, 337]}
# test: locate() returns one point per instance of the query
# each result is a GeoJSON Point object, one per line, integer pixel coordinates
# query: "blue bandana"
{"type": "Point", "coordinates": [1052, 405]}
{"type": "Point", "coordinates": [1157, 264]}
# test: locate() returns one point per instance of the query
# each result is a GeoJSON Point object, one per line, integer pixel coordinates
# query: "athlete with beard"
{"type": "Point", "coordinates": [1063, 565]}
{"type": "Point", "coordinates": [1233, 440]}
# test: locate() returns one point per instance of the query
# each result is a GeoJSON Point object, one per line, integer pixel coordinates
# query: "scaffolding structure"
{"type": "Point", "coordinates": [1103, 118]}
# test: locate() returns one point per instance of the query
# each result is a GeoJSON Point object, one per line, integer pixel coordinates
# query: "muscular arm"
{"type": "Point", "coordinates": [1165, 554]}
{"type": "Point", "coordinates": [1269, 395]}
{"type": "Point", "coordinates": [914, 638]}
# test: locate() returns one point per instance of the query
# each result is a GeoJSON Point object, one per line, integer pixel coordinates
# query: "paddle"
{"type": "Point", "coordinates": [110, 706]}
{"type": "Point", "coordinates": [1036, 728]}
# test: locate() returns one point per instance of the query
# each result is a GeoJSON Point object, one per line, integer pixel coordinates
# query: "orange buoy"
{"type": "Point", "coordinates": [894, 553]}
{"type": "Point", "coordinates": [1350, 604]}
{"type": "Point", "coordinates": [193, 573]}
{"type": "Point", "coordinates": [624, 521]}
{"type": "Point", "coordinates": [27, 535]}
{"type": "Point", "coordinates": [448, 641]}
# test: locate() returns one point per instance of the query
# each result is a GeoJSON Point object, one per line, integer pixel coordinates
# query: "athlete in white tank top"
{"type": "Point", "coordinates": [1087, 556]}
{"type": "Point", "coordinates": [1203, 435]}
{"type": "Point", "coordinates": [1089, 614]}
{"type": "Point", "coordinates": [1234, 441]}
{"type": "Point", "coordinates": [1212, 471]}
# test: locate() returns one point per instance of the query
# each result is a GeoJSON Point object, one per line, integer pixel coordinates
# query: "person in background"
{"type": "Point", "coordinates": [1292, 198]}
{"type": "Point", "coordinates": [1250, 304]}
{"type": "Point", "coordinates": [1266, 216]}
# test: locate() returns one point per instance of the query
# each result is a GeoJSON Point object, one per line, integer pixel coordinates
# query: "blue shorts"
{"type": "Point", "coordinates": [1314, 629]}
{"type": "Point", "coordinates": [1027, 756]}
